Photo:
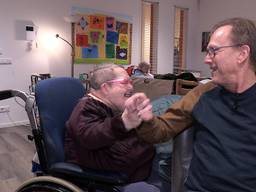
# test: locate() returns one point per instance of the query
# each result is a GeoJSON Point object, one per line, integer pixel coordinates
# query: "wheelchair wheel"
{"type": "Point", "coordinates": [48, 184]}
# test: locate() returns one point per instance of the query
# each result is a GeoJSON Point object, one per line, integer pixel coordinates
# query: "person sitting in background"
{"type": "Point", "coordinates": [96, 135]}
{"type": "Point", "coordinates": [143, 71]}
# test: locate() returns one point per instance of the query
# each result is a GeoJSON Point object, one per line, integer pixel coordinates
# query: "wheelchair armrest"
{"type": "Point", "coordinates": [181, 157]}
{"type": "Point", "coordinates": [6, 94]}
{"type": "Point", "coordinates": [70, 170]}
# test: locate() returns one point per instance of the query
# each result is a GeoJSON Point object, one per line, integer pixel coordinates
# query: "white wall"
{"type": "Point", "coordinates": [54, 56]}
{"type": "Point", "coordinates": [166, 32]}
{"type": "Point", "coordinates": [212, 12]}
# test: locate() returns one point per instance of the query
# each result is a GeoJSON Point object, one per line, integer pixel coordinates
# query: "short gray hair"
{"type": "Point", "coordinates": [143, 64]}
{"type": "Point", "coordinates": [103, 73]}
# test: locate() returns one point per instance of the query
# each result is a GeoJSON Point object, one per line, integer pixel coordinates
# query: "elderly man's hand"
{"type": "Point", "coordinates": [131, 119]}
{"type": "Point", "coordinates": [137, 109]}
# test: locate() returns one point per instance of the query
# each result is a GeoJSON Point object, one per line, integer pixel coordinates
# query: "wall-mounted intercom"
{"type": "Point", "coordinates": [31, 32]}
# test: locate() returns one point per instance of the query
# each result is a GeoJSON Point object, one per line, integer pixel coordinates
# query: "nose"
{"type": "Point", "coordinates": [207, 59]}
{"type": "Point", "coordinates": [130, 85]}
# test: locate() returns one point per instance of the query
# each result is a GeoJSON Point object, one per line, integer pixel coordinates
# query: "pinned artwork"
{"type": "Point", "coordinates": [102, 38]}
{"type": "Point", "coordinates": [96, 37]}
{"type": "Point", "coordinates": [110, 23]}
{"type": "Point", "coordinates": [83, 23]}
{"type": "Point", "coordinates": [112, 37]}
{"type": "Point", "coordinates": [110, 50]}
{"type": "Point", "coordinates": [96, 22]}
{"type": "Point", "coordinates": [122, 27]}
{"type": "Point", "coordinates": [121, 53]}
{"type": "Point", "coordinates": [81, 40]}
{"type": "Point", "coordinates": [123, 40]}
{"type": "Point", "coordinates": [90, 52]}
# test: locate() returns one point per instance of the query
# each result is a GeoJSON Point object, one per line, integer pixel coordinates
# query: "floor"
{"type": "Point", "coordinates": [16, 153]}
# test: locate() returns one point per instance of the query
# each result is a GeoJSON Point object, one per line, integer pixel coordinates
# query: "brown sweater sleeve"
{"type": "Point", "coordinates": [177, 118]}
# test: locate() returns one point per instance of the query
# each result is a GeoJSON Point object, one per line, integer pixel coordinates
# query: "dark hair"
{"type": "Point", "coordinates": [243, 32]}
{"type": "Point", "coordinates": [101, 74]}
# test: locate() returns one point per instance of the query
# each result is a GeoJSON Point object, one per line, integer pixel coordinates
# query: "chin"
{"type": "Point", "coordinates": [214, 77]}
{"type": "Point", "coordinates": [215, 80]}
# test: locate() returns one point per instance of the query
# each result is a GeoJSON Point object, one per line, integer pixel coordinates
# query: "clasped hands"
{"type": "Point", "coordinates": [137, 109]}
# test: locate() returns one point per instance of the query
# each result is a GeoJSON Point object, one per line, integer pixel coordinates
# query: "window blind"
{"type": "Point", "coordinates": [150, 19]}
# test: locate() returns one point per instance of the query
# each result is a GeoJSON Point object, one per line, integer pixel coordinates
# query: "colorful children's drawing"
{"type": "Point", "coordinates": [122, 27]}
{"type": "Point", "coordinates": [97, 22]}
{"type": "Point", "coordinates": [81, 40]}
{"type": "Point", "coordinates": [110, 50]}
{"type": "Point", "coordinates": [112, 37]}
{"type": "Point", "coordinates": [82, 23]}
{"type": "Point", "coordinates": [102, 38]}
{"type": "Point", "coordinates": [90, 52]}
{"type": "Point", "coordinates": [121, 53]}
{"type": "Point", "coordinates": [95, 37]}
{"type": "Point", "coordinates": [123, 40]}
{"type": "Point", "coordinates": [110, 23]}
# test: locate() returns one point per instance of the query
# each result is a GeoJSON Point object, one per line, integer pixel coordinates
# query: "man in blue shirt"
{"type": "Point", "coordinates": [223, 113]}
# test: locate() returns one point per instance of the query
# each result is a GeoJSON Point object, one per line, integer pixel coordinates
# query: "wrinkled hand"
{"type": "Point", "coordinates": [131, 119]}
{"type": "Point", "coordinates": [137, 109]}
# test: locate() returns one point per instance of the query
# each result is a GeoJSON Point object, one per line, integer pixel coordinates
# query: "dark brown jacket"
{"type": "Point", "coordinates": [177, 118]}
{"type": "Point", "coordinates": [96, 138]}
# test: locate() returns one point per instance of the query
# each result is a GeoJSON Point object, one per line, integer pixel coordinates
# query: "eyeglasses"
{"type": "Point", "coordinates": [211, 51]}
{"type": "Point", "coordinates": [121, 81]}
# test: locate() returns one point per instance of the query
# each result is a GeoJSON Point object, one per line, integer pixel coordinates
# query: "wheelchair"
{"type": "Point", "coordinates": [48, 110]}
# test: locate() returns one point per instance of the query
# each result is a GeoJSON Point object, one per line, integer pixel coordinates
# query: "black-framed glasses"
{"type": "Point", "coordinates": [211, 51]}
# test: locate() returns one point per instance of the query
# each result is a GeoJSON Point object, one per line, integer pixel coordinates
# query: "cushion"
{"type": "Point", "coordinates": [164, 150]}
{"type": "Point", "coordinates": [153, 88]}
{"type": "Point", "coordinates": [162, 103]}
{"type": "Point", "coordinates": [159, 106]}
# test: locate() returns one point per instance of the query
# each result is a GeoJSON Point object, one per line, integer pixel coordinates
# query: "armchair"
{"type": "Point", "coordinates": [184, 86]}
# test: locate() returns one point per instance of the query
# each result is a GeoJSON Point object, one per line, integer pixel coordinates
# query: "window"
{"type": "Point", "coordinates": [180, 39]}
{"type": "Point", "coordinates": [149, 34]}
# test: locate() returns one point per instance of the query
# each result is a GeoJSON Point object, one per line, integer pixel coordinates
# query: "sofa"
{"type": "Point", "coordinates": [153, 88]}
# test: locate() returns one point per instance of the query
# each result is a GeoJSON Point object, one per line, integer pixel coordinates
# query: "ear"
{"type": "Point", "coordinates": [104, 88]}
{"type": "Point", "coordinates": [244, 54]}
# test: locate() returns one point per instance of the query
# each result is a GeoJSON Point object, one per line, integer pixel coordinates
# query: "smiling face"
{"type": "Point", "coordinates": [117, 91]}
{"type": "Point", "coordinates": [225, 62]}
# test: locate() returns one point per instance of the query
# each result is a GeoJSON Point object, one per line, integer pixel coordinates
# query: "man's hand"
{"type": "Point", "coordinates": [131, 119]}
{"type": "Point", "coordinates": [137, 109]}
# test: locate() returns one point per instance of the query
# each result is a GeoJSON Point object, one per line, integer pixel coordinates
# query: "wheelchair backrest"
{"type": "Point", "coordinates": [55, 99]}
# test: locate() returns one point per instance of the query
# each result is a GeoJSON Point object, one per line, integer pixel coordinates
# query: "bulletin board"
{"type": "Point", "coordinates": [101, 38]}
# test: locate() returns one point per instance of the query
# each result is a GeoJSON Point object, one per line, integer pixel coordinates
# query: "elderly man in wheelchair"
{"type": "Point", "coordinates": [48, 135]}
{"type": "Point", "coordinates": [54, 102]}
{"type": "Point", "coordinates": [96, 135]}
